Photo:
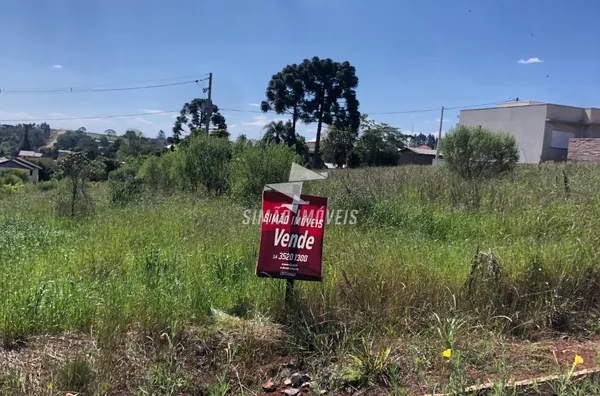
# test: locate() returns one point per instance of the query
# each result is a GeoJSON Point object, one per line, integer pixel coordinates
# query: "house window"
{"type": "Point", "coordinates": [560, 140]}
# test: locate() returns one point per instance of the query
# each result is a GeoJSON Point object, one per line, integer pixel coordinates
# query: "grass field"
{"type": "Point", "coordinates": [139, 285]}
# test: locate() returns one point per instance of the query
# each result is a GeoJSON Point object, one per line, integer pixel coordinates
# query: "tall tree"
{"type": "Point", "coordinates": [194, 115]}
{"type": "Point", "coordinates": [379, 143]}
{"type": "Point", "coordinates": [330, 96]}
{"type": "Point", "coordinates": [285, 95]}
{"type": "Point", "coordinates": [338, 145]}
{"type": "Point", "coordinates": [110, 132]}
{"type": "Point", "coordinates": [26, 145]}
{"type": "Point", "coordinates": [161, 135]}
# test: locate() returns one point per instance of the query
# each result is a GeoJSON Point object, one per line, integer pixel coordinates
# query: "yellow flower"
{"type": "Point", "coordinates": [447, 353]}
{"type": "Point", "coordinates": [578, 360]}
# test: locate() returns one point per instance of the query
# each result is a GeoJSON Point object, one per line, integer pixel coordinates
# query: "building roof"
{"type": "Point", "coordinates": [20, 161]}
{"type": "Point", "coordinates": [421, 151]}
{"type": "Point", "coordinates": [25, 153]}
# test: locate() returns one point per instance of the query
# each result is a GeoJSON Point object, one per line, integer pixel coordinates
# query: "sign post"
{"type": "Point", "coordinates": [291, 241]}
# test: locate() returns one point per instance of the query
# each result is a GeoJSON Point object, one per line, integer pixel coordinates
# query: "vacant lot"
{"type": "Point", "coordinates": [160, 297]}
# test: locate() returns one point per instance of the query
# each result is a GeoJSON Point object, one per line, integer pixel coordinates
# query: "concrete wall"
{"type": "Point", "coordinates": [567, 119]}
{"type": "Point", "coordinates": [525, 123]}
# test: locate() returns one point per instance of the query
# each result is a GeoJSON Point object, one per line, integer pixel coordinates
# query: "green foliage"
{"type": "Point", "coordinates": [194, 116]}
{"type": "Point", "coordinates": [330, 95]}
{"type": "Point", "coordinates": [338, 145]}
{"type": "Point", "coordinates": [75, 375]}
{"type": "Point", "coordinates": [73, 197]}
{"type": "Point", "coordinates": [286, 95]}
{"type": "Point", "coordinates": [379, 144]}
{"type": "Point", "coordinates": [13, 176]}
{"type": "Point", "coordinates": [476, 153]}
{"type": "Point", "coordinates": [370, 363]}
{"type": "Point", "coordinates": [124, 186]}
{"type": "Point", "coordinates": [278, 132]}
{"type": "Point", "coordinates": [203, 162]}
{"type": "Point", "coordinates": [12, 137]}
{"type": "Point", "coordinates": [257, 166]}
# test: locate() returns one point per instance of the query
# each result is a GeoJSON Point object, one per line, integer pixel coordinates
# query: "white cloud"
{"type": "Point", "coordinates": [11, 115]}
{"type": "Point", "coordinates": [138, 120]}
{"type": "Point", "coordinates": [530, 60]}
{"type": "Point", "coordinates": [254, 104]}
{"type": "Point", "coordinates": [233, 126]}
{"type": "Point", "coordinates": [150, 111]}
{"type": "Point", "coordinates": [57, 66]}
{"type": "Point", "coordinates": [57, 115]}
{"type": "Point", "coordinates": [262, 120]}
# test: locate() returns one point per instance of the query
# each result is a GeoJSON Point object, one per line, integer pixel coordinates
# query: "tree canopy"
{"type": "Point", "coordinates": [194, 116]}
{"type": "Point", "coordinates": [286, 94]}
{"type": "Point", "coordinates": [476, 153]}
{"type": "Point", "coordinates": [330, 96]}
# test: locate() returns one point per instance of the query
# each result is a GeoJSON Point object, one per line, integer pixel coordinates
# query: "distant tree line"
{"type": "Point", "coordinates": [14, 138]}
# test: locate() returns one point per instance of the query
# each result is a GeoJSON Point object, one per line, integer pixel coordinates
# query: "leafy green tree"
{"type": "Point", "coordinates": [73, 198]}
{"type": "Point", "coordinates": [379, 143]}
{"type": "Point", "coordinates": [5, 149]}
{"type": "Point", "coordinates": [286, 95]}
{"type": "Point", "coordinates": [104, 142]}
{"type": "Point", "coordinates": [260, 165]}
{"type": "Point", "coordinates": [161, 135]}
{"type": "Point", "coordinates": [110, 132]}
{"type": "Point", "coordinates": [338, 144]}
{"type": "Point", "coordinates": [194, 115]}
{"type": "Point", "coordinates": [477, 153]}
{"type": "Point", "coordinates": [26, 145]}
{"type": "Point", "coordinates": [204, 162]}
{"type": "Point", "coordinates": [277, 132]}
{"type": "Point", "coordinates": [242, 138]}
{"type": "Point", "coordinates": [220, 133]}
{"type": "Point", "coordinates": [330, 96]}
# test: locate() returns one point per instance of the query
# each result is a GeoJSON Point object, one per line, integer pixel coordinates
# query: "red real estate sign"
{"type": "Point", "coordinates": [291, 239]}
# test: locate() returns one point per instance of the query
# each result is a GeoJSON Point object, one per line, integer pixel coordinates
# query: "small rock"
{"type": "Point", "coordinates": [291, 392]}
{"type": "Point", "coordinates": [269, 386]}
{"type": "Point", "coordinates": [285, 373]}
{"type": "Point", "coordinates": [323, 392]}
{"type": "Point", "coordinates": [306, 385]}
{"type": "Point", "coordinates": [298, 379]}
{"type": "Point", "coordinates": [287, 382]}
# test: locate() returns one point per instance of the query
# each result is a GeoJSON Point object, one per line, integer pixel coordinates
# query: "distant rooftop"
{"type": "Point", "coordinates": [32, 154]}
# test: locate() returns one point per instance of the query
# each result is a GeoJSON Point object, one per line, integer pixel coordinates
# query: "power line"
{"type": "Point", "coordinates": [224, 109]}
{"type": "Point", "coordinates": [82, 89]}
{"type": "Point", "coordinates": [92, 117]}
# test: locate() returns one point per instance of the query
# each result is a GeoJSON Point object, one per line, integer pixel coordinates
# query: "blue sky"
{"type": "Point", "coordinates": [408, 54]}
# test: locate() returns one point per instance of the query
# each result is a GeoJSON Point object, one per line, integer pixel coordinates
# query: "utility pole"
{"type": "Point", "coordinates": [437, 146]}
{"type": "Point", "coordinates": [209, 104]}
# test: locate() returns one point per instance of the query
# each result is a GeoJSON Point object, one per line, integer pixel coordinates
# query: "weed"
{"type": "Point", "coordinates": [76, 375]}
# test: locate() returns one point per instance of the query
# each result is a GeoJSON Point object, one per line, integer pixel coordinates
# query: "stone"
{"type": "Point", "coordinates": [306, 385]}
{"type": "Point", "coordinates": [269, 386]}
{"type": "Point", "coordinates": [299, 379]}
{"type": "Point", "coordinates": [291, 392]}
{"type": "Point", "coordinates": [323, 392]}
{"type": "Point", "coordinates": [287, 382]}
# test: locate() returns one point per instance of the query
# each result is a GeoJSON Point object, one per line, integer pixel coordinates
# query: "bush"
{"type": "Point", "coordinates": [123, 185]}
{"type": "Point", "coordinates": [13, 176]}
{"type": "Point", "coordinates": [204, 162]}
{"type": "Point", "coordinates": [47, 185]}
{"type": "Point", "coordinates": [257, 166]}
{"type": "Point", "coordinates": [476, 153]}
{"type": "Point", "coordinates": [73, 197]}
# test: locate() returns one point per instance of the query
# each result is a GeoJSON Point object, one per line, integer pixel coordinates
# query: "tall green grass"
{"type": "Point", "coordinates": [161, 263]}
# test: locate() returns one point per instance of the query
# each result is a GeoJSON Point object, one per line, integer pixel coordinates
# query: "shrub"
{"type": "Point", "coordinates": [123, 185]}
{"type": "Point", "coordinates": [257, 166]}
{"type": "Point", "coordinates": [47, 185]}
{"type": "Point", "coordinates": [13, 176]}
{"type": "Point", "coordinates": [204, 162]}
{"type": "Point", "coordinates": [73, 198]}
{"type": "Point", "coordinates": [476, 153]}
